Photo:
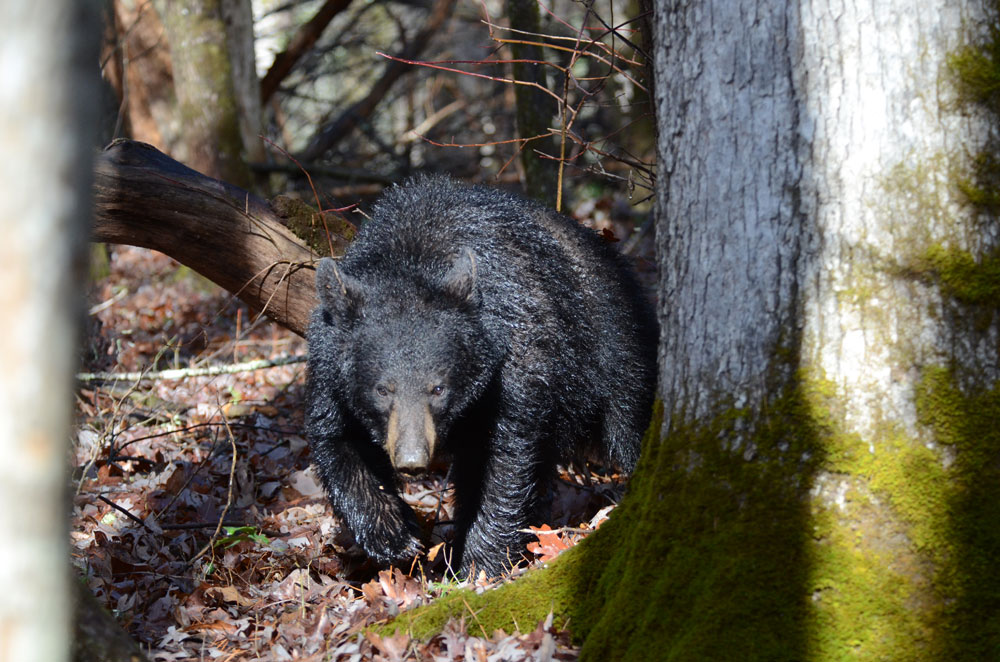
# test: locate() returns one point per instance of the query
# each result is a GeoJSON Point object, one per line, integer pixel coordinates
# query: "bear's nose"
{"type": "Point", "coordinates": [411, 460]}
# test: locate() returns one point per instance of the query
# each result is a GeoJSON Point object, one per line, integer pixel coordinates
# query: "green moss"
{"type": "Point", "coordinates": [981, 188]}
{"type": "Point", "coordinates": [977, 70]}
{"type": "Point", "coordinates": [326, 233]}
{"type": "Point", "coordinates": [976, 73]}
{"type": "Point", "coordinates": [520, 605]}
{"type": "Point", "coordinates": [901, 566]}
{"type": "Point", "coordinates": [963, 277]}
{"type": "Point", "coordinates": [967, 549]}
{"type": "Point", "coordinates": [706, 557]}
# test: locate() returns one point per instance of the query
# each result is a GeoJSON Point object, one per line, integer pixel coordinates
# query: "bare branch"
{"type": "Point", "coordinates": [182, 373]}
{"type": "Point", "coordinates": [331, 133]}
{"type": "Point", "coordinates": [303, 40]}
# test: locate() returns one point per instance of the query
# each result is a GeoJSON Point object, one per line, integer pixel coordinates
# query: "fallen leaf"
{"type": "Point", "coordinates": [229, 594]}
{"type": "Point", "coordinates": [305, 483]}
{"type": "Point", "coordinates": [433, 551]}
{"type": "Point", "coordinates": [549, 544]}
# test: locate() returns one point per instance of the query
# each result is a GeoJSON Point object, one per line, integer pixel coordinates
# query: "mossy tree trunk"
{"type": "Point", "coordinates": [826, 482]}
{"type": "Point", "coordinates": [218, 95]}
{"type": "Point", "coordinates": [48, 109]}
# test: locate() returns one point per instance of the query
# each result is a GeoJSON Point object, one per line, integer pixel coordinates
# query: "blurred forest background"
{"type": "Point", "coordinates": [509, 93]}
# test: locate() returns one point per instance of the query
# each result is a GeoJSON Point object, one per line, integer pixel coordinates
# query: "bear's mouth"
{"type": "Point", "coordinates": [438, 465]}
{"type": "Point", "coordinates": [413, 472]}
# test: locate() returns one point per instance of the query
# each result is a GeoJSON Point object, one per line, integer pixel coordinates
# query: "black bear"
{"type": "Point", "coordinates": [476, 324]}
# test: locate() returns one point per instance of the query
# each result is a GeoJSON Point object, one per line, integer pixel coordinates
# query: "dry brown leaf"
{"type": "Point", "coordinates": [550, 544]}
{"type": "Point", "coordinates": [229, 594]}
{"type": "Point", "coordinates": [393, 647]}
{"type": "Point", "coordinates": [433, 552]}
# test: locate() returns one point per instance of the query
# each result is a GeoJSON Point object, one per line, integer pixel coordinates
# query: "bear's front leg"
{"type": "Point", "coordinates": [499, 493]}
{"type": "Point", "coordinates": [361, 485]}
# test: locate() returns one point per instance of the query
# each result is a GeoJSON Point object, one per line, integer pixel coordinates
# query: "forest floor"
{"type": "Point", "coordinates": [198, 522]}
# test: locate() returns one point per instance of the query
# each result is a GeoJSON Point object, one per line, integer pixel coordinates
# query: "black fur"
{"type": "Point", "coordinates": [476, 323]}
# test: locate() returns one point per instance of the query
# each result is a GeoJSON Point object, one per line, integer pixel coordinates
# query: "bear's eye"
{"type": "Point", "coordinates": [381, 390]}
{"type": "Point", "coordinates": [437, 390]}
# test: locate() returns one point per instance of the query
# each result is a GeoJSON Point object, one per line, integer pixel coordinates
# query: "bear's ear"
{"type": "Point", "coordinates": [337, 292]}
{"type": "Point", "coordinates": [460, 281]}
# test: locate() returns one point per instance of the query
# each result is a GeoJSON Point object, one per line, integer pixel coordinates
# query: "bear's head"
{"type": "Point", "coordinates": [414, 356]}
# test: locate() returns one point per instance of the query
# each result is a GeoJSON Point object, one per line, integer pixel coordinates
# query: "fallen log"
{"type": "Point", "coordinates": [142, 197]}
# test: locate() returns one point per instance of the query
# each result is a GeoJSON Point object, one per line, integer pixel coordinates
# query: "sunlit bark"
{"type": "Point", "coordinates": [825, 481]}
{"type": "Point", "coordinates": [48, 95]}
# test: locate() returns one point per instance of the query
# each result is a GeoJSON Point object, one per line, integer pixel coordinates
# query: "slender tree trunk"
{"type": "Point", "coordinates": [48, 100]}
{"type": "Point", "coordinates": [136, 61]}
{"type": "Point", "coordinates": [202, 50]}
{"type": "Point", "coordinates": [238, 18]}
{"type": "Point", "coordinates": [535, 110]}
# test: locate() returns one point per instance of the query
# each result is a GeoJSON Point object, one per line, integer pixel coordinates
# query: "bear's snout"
{"type": "Point", "coordinates": [410, 436]}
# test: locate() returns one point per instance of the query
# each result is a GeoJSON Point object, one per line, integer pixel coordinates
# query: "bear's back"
{"type": "Point", "coordinates": [558, 299]}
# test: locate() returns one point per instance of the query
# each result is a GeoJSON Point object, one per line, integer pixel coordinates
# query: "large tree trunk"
{"type": "Point", "coordinates": [825, 484]}
{"type": "Point", "coordinates": [48, 102]}
{"type": "Point", "coordinates": [237, 15]}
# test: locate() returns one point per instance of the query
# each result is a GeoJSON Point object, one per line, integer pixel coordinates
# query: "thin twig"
{"type": "Point", "coordinates": [187, 526]}
{"type": "Point", "coordinates": [229, 496]}
{"type": "Point", "coordinates": [206, 424]}
{"type": "Point", "coordinates": [561, 529]}
{"type": "Point", "coordinates": [182, 373]}
{"type": "Point", "coordinates": [122, 510]}
{"type": "Point", "coordinates": [476, 617]}
{"type": "Point", "coordinates": [498, 79]}
{"type": "Point", "coordinates": [190, 479]}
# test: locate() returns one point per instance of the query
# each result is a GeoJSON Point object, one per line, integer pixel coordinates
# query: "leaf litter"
{"type": "Point", "coordinates": [203, 553]}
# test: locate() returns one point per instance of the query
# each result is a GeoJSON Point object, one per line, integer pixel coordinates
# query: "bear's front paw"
{"type": "Point", "coordinates": [390, 534]}
{"type": "Point", "coordinates": [392, 546]}
{"type": "Point", "coordinates": [496, 555]}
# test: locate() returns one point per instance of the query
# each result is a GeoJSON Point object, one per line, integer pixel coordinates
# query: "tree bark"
{"type": "Point", "coordinates": [824, 484]}
{"type": "Point", "coordinates": [144, 198]}
{"type": "Point", "coordinates": [202, 53]}
{"type": "Point", "coordinates": [237, 16]}
{"type": "Point", "coordinates": [48, 104]}
{"type": "Point", "coordinates": [535, 109]}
